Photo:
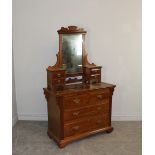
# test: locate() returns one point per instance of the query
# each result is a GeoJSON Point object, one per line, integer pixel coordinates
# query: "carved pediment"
{"type": "Point", "coordinates": [71, 29]}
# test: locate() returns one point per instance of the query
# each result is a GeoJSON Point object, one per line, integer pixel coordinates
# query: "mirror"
{"type": "Point", "coordinates": [72, 52]}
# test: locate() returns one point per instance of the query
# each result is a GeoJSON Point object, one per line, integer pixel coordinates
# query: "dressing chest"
{"type": "Point", "coordinates": [78, 103]}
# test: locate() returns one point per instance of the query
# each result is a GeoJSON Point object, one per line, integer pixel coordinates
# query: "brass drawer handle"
{"type": "Point", "coordinates": [94, 75]}
{"type": "Point", "coordinates": [100, 97]}
{"type": "Point", "coordinates": [98, 122]}
{"type": "Point", "coordinates": [58, 75]}
{"type": "Point", "coordinates": [99, 108]}
{"type": "Point", "coordinates": [95, 71]}
{"type": "Point", "coordinates": [76, 113]}
{"type": "Point", "coordinates": [76, 100]}
{"type": "Point", "coordinates": [59, 81]}
{"type": "Point", "coordinates": [75, 128]}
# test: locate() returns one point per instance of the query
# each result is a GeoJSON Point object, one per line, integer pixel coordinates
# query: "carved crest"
{"type": "Point", "coordinates": [71, 29]}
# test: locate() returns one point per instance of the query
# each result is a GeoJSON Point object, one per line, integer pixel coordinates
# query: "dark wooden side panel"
{"type": "Point", "coordinates": [76, 115]}
{"type": "Point", "coordinates": [48, 78]}
{"type": "Point", "coordinates": [54, 123]}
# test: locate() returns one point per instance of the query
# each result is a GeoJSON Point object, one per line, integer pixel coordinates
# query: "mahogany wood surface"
{"type": "Point", "coordinates": [77, 110]}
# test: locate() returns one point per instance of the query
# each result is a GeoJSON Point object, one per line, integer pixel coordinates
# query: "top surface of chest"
{"type": "Point", "coordinates": [79, 89]}
{"type": "Point", "coordinates": [82, 96]}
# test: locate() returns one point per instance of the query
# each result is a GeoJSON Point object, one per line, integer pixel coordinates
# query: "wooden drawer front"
{"type": "Point", "coordinates": [58, 74]}
{"type": "Point", "coordinates": [85, 125]}
{"type": "Point", "coordinates": [95, 76]}
{"type": "Point", "coordinates": [70, 115]}
{"type": "Point", "coordinates": [58, 81]}
{"type": "Point", "coordinates": [95, 71]}
{"type": "Point", "coordinates": [100, 91]}
{"type": "Point", "coordinates": [76, 128]}
{"type": "Point", "coordinates": [100, 97]}
{"type": "Point", "coordinates": [76, 101]}
{"type": "Point", "coordinates": [98, 122]}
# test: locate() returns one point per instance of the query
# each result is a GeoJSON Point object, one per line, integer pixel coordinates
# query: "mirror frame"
{"type": "Point", "coordinates": [72, 30]}
{"type": "Point", "coordinates": [85, 62]}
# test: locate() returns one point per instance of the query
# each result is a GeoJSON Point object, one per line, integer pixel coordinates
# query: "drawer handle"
{"type": "Point", "coordinates": [100, 97]}
{"type": "Point", "coordinates": [99, 108]}
{"type": "Point", "coordinates": [75, 128]}
{"type": "Point", "coordinates": [76, 113]}
{"type": "Point", "coordinates": [76, 100]}
{"type": "Point", "coordinates": [98, 122]}
{"type": "Point", "coordinates": [94, 76]}
{"type": "Point", "coordinates": [59, 81]}
{"type": "Point", "coordinates": [58, 75]}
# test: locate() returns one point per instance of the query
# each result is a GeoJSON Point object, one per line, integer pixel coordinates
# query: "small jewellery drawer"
{"type": "Point", "coordinates": [58, 81]}
{"type": "Point", "coordinates": [70, 115]}
{"type": "Point", "coordinates": [58, 74]}
{"type": "Point", "coordinates": [75, 101]}
{"type": "Point", "coordinates": [95, 71]}
{"type": "Point", "coordinates": [95, 76]}
{"type": "Point", "coordinates": [76, 127]}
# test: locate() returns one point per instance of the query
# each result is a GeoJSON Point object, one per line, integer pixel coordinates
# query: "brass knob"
{"type": "Point", "coordinates": [100, 97]}
{"type": "Point", "coordinates": [59, 81]}
{"type": "Point", "coordinates": [98, 122]}
{"type": "Point", "coordinates": [76, 113]}
{"type": "Point", "coordinates": [76, 100]}
{"type": "Point", "coordinates": [99, 108]}
{"type": "Point", "coordinates": [58, 75]}
{"type": "Point", "coordinates": [75, 128]}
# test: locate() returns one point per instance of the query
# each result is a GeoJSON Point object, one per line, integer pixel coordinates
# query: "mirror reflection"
{"type": "Point", "coordinates": [72, 52]}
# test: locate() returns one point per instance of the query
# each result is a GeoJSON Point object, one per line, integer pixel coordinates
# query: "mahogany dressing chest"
{"type": "Point", "coordinates": [78, 103]}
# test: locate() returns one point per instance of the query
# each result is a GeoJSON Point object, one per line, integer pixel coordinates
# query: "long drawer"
{"type": "Point", "coordinates": [71, 115]}
{"type": "Point", "coordinates": [99, 97]}
{"type": "Point", "coordinates": [86, 125]}
{"type": "Point", "coordinates": [76, 101]}
{"type": "Point", "coordinates": [90, 98]}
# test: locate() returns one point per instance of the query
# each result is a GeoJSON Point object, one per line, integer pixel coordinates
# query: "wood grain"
{"type": "Point", "coordinates": [77, 110]}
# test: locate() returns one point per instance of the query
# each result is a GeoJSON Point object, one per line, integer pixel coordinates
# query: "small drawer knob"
{"type": "Point", "coordinates": [75, 128]}
{"type": "Point", "coordinates": [100, 97]}
{"type": "Point", "coordinates": [59, 81]}
{"type": "Point", "coordinates": [76, 100]}
{"type": "Point", "coordinates": [58, 75]}
{"type": "Point", "coordinates": [76, 113]}
{"type": "Point", "coordinates": [98, 122]}
{"type": "Point", "coordinates": [99, 108]}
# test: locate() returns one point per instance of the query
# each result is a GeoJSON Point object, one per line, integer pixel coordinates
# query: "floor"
{"type": "Point", "coordinates": [29, 138]}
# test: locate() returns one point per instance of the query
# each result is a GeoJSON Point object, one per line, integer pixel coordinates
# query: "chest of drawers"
{"type": "Point", "coordinates": [77, 113]}
{"type": "Point", "coordinates": [79, 104]}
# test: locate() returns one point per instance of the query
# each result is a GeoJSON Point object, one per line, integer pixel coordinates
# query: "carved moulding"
{"type": "Point", "coordinates": [71, 29]}
{"type": "Point", "coordinates": [58, 64]}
